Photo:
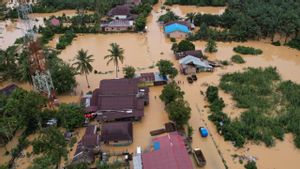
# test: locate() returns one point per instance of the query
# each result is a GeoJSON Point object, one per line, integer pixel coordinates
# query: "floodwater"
{"type": "Point", "coordinates": [183, 10]}
{"type": "Point", "coordinates": [143, 50]}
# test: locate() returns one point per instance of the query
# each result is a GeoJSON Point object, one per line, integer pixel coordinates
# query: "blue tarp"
{"type": "Point", "coordinates": [176, 27]}
{"type": "Point", "coordinates": [156, 145]}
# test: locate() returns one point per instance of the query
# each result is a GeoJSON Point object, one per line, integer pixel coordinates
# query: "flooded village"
{"type": "Point", "coordinates": [126, 122]}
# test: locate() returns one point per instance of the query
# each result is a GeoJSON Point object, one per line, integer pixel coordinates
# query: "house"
{"type": "Point", "coordinates": [118, 25]}
{"type": "Point", "coordinates": [169, 151]}
{"type": "Point", "coordinates": [152, 79]}
{"type": "Point", "coordinates": [117, 133]}
{"type": "Point", "coordinates": [119, 99]}
{"type": "Point", "coordinates": [120, 12]}
{"type": "Point", "coordinates": [195, 53]}
{"type": "Point", "coordinates": [176, 30]}
{"type": "Point", "coordinates": [88, 146]}
{"type": "Point", "coordinates": [191, 65]}
{"type": "Point", "coordinates": [8, 90]}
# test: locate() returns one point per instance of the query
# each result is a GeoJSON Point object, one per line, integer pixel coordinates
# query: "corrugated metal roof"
{"type": "Point", "coordinates": [176, 27]}
{"type": "Point", "coordinates": [195, 61]}
{"type": "Point", "coordinates": [171, 155]}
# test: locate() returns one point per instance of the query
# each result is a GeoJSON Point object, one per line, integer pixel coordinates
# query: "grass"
{"type": "Point", "coordinates": [272, 105]}
{"type": "Point", "coordinates": [247, 50]}
{"type": "Point", "coordinates": [237, 59]}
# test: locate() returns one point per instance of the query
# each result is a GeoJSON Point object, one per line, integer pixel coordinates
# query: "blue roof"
{"type": "Point", "coordinates": [176, 27]}
{"type": "Point", "coordinates": [156, 145]}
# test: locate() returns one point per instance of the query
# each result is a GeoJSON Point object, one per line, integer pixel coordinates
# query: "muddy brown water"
{"type": "Point", "coordinates": [143, 50]}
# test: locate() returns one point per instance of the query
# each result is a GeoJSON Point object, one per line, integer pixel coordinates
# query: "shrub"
{"type": "Point", "coordinates": [250, 165]}
{"type": "Point", "coordinates": [294, 43]}
{"type": "Point", "coordinates": [277, 43]}
{"type": "Point", "coordinates": [247, 50]}
{"type": "Point", "coordinates": [173, 39]}
{"type": "Point", "coordinates": [224, 62]}
{"type": "Point", "coordinates": [237, 59]}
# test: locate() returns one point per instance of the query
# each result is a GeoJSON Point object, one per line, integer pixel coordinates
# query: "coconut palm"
{"type": "Point", "coordinates": [191, 16]}
{"type": "Point", "coordinates": [83, 63]}
{"type": "Point", "coordinates": [115, 56]}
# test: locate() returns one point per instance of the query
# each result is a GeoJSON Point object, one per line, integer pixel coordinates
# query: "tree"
{"type": "Point", "coordinates": [63, 77]}
{"type": "Point", "coordinates": [191, 16]}
{"type": "Point", "coordinates": [129, 72]}
{"type": "Point", "coordinates": [166, 68]}
{"type": "Point", "coordinates": [203, 32]}
{"type": "Point", "coordinates": [116, 55]}
{"type": "Point", "coordinates": [251, 165]}
{"type": "Point", "coordinates": [170, 93]}
{"type": "Point", "coordinates": [168, 17]}
{"type": "Point", "coordinates": [185, 45]}
{"type": "Point", "coordinates": [211, 46]}
{"type": "Point", "coordinates": [71, 116]}
{"type": "Point", "coordinates": [179, 112]}
{"type": "Point", "coordinates": [83, 63]}
{"type": "Point", "coordinates": [174, 47]}
{"type": "Point", "coordinates": [52, 143]}
{"type": "Point", "coordinates": [140, 23]}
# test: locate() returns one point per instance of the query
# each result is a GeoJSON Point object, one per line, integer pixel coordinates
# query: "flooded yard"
{"type": "Point", "coordinates": [144, 50]}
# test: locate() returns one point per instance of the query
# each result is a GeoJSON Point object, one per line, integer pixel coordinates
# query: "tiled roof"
{"type": "Point", "coordinates": [120, 10]}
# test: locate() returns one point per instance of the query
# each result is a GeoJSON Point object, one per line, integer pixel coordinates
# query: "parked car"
{"type": "Point", "coordinates": [194, 77]}
{"type": "Point", "coordinates": [199, 157]}
{"type": "Point", "coordinates": [203, 131]}
{"type": "Point", "coordinates": [190, 80]}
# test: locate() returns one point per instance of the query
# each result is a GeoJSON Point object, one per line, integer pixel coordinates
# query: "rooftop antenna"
{"type": "Point", "coordinates": [40, 74]}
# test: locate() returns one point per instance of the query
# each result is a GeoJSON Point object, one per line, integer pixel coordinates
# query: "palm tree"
{"type": "Point", "coordinates": [191, 16]}
{"type": "Point", "coordinates": [83, 63]}
{"type": "Point", "coordinates": [116, 55]}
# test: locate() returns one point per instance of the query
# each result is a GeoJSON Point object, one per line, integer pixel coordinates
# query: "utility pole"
{"type": "Point", "coordinates": [41, 77]}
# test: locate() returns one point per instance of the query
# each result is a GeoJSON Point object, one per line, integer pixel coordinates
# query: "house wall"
{"type": "Point", "coordinates": [177, 34]}
{"type": "Point", "coordinates": [120, 143]}
{"type": "Point", "coordinates": [119, 17]}
{"type": "Point", "coordinates": [117, 29]}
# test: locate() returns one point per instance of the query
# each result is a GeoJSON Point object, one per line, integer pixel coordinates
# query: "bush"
{"type": "Point", "coordinates": [294, 43]}
{"type": "Point", "coordinates": [224, 62]}
{"type": "Point", "coordinates": [65, 40]}
{"type": "Point", "coordinates": [173, 40]}
{"type": "Point", "coordinates": [170, 93]}
{"type": "Point", "coordinates": [237, 59]}
{"type": "Point", "coordinates": [247, 50]}
{"type": "Point", "coordinates": [250, 165]}
{"type": "Point", "coordinates": [277, 43]}
{"type": "Point", "coordinates": [185, 45]}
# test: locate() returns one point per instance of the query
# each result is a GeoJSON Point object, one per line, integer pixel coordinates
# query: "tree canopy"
{"type": "Point", "coordinates": [166, 67]}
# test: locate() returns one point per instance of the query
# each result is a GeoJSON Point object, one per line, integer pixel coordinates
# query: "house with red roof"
{"type": "Point", "coordinates": [169, 152]}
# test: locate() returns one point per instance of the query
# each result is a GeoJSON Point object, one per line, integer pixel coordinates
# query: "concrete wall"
{"type": "Point", "coordinates": [177, 34]}
{"type": "Point", "coordinates": [117, 29]}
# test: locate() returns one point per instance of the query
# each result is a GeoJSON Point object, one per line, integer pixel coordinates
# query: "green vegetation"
{"type": "Point", "coordinates": [171, 93]}
{"type": "Point", "coordinates": [166, 68]}
{"type": "Point", "coordinates": [71, 116]}
{"type": "Point", "coordinates": [78, 166]}
{"type": "Point", "coordinates": [129, 72]}
{"type": "Point", "coordinates": [46, 6]}
{"type": "Point", "coordinates": [294, 43]}
{"type": "Point", "coordinates": [168, 17]}
{"type": "Point", "coordinates": [183, 45]}
{"type": "Point", "coordinates": [247, 50]}
{"type": "Point", "coordinates": [51, 143]}
{"type": "Point", "coordinates": [271, 104]}
{"type": "Point", "coordinates": [250, 165]}
{"type": "Point", "coordinates": [65, 40]}
{"type": "Point", "coordinates": [83, 63]}
{"type": "Point", "coordinates": [197, 2]}
{"type": "Point", "coordinates": [178, 110]}
{"type": "Point", "coordinates": [251, 20]}
{"type": "Point", "coordinates": [237, 59]}
{"type": "Point", "coordinates": [116, 55]}
{"type": "Point", "coordinates": [142, 11]}
{"type": "Point", "coordinates": [211, 46]}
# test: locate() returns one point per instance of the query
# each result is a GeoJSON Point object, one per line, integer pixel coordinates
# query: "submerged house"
{"type": "Point", "coordinates": [88, 146]}
{"type": "Point", "coordinates": [119, 99]}
{"type": "Point", "coordinates": [117, 133]}
{"type": "Point", "coordinates": [191, 65]}
{"type": "Point", "coordinates": [120, 12]}
{"type": "Point", "coordinates": [177, 29]}
{"type": "Point", "coordinates": [118, 25]}
{"type": "Point", "coordinates": [8, 90]}
{"type": "Point", "coordinates": [152, 79]}
{"type": "Point", "coordinates": [168, 152]}
{"type": "Point", "coordinates": [195, 53]}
